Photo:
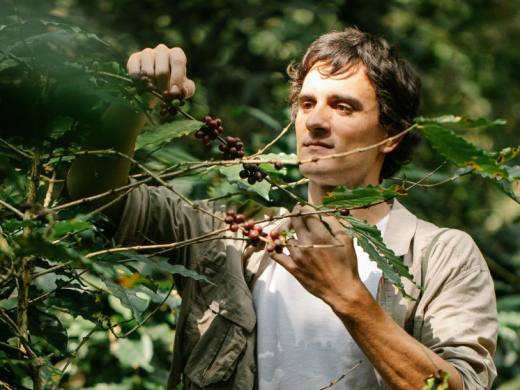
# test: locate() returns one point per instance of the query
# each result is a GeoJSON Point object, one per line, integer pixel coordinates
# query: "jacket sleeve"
{"type": "Point", "coordinates": [457, 314]}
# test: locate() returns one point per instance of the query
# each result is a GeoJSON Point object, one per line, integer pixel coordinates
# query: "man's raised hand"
{"type": "Point", "coordinates": [166, 69]}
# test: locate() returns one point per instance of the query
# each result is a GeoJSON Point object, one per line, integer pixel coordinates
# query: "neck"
{"type": "Point", "coordinates": [372, 214]}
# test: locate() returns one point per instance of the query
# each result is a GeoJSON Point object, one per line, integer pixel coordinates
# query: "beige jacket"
{"type": "Point", "coordinates": [456, 316]}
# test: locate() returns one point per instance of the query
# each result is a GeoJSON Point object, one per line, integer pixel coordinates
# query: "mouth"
{"type": "Point", "coordinates": [317, 145]}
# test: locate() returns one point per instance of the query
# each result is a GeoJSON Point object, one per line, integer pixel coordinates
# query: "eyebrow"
{"type": "Point", "coordinates": [354, 101]}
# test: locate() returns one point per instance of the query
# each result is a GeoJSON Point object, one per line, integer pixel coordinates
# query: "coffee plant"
{"type": "Point", "coordinates": [58, 262]}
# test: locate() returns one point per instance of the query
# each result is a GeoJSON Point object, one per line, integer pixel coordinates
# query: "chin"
{"type": "Point", "coordinates": [323, 175]}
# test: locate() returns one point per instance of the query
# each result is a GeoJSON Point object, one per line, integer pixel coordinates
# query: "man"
{"type": "Point", "coordinates": [302, 319]}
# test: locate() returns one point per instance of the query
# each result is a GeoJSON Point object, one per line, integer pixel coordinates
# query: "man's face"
{"type": "Point", "coordinates": [335, 115]}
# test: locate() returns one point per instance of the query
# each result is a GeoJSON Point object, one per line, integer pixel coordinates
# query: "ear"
{"type": "Point", "coordinates": [390, 145]}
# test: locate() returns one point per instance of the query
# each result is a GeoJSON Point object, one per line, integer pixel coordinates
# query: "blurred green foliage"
{"type": "Point", "coordinates": [468, 56]}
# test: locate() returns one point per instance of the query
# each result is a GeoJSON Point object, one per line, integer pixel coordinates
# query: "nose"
{"type": "Point", "coordinates": [319, 119]}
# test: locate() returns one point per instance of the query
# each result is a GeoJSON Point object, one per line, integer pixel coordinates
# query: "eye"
{"type": "Point", "coordinates": [306, 105]}
{"type": "Point", "coordinates": [344, 108]}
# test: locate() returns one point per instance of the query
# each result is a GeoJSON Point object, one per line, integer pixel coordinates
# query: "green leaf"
{"type": "Point", "coordinates": [261, 116]}
{"type": "Point", "coordinates": [501, 185]}
{"type": "Point", "coordinates": [504, 155]}
{"type": "Point", "coordinates": [132, 353]}
{"type": "Point", "coordinates": [72, 225]}
{"type": "Point", "coordinates": [167, 132]}
{"type": "Point", "coordinates": [7, 63]}
{"type": "Point", "coordinates": [78, 303]}
{"type": "Point", "coordinates": [128, 298]}
{"type": "Point", "coordinates": [50, 375]}
{"type": "Point", "coordinates": [369, 238]}
{"type": "Point", "coordinates": [38, 24]}
{"type": "Point", "coordinates": [47, 325]}
{"type": "Point", "coordinates": [36, 245]}
{"type": "Point", "coordinates": [460, 122]}
{"type": "Point", "coordinates": [232, 174]}
{"type": "Point", "coordinates": [273, 156]}
{"type": "Point", "coordinates": [461, 152]}
{"type": "Point", "coordinates": [78, 89]}
{"type": "Point", "coordinates": [343, 197]}
{"type": "Point", "coordinates": [165, 266]}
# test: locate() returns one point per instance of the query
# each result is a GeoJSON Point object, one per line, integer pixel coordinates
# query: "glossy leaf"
{"type": "Point", "coordinates": [167, 132]}
{"type": "Point", "coordinates": [232, 174]}
{"type": "Point", "coordinates": [273, 156]}
{"type": "Point", "coordinates": [78, 303]}
{"type": "Point", "coordinates": [343, 197]}
{"type": "Point", "coordinates": [501, 185]}
{"type": "Point", "coordinates": [71, 225]}
{"type": "Point", "coordinates": [50, 375]}
{"type": "Point", "coordinates": [44, 324]}
{"type": "Point", "coordinates": [461, 152]}
{"type": "Point", "coordinates": [36, 245]}
{"type": "Point", "coordinates": [165, 266]}
{"type": "Point", "coordinates": [369, 238]}
{"type": "Point", "coordinates": [461, 122]}
{"type": "Point", "coordinates": [128, 298]}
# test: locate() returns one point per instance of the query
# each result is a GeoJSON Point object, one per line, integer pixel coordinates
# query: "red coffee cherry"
{"type": "Point", "coordinates": [258, 228]}
{"type": "Point", "coordinates": [278, 166]}
{"type": "Point", "coordinates": [239, 218]}
{"type": "Point", "coordinates": [275, 233]}
{"type": "Point", "coordinates": [269, 247]}
{"type": "Point", "coordinates": [229, 219]}
{"type": "Point", "coordinates": [233, 227]}
{"type": "Point", "coordinates": [344, 212]}
{"type": "Point", "coordinates": [253, 234]}
{"type": "Point", "coordinates": [231, 213]}
{"type": "Point", "coordinates": [250, 223]}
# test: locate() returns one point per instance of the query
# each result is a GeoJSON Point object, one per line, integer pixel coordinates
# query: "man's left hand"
{"type": "Point", "coordinates": [326, 272]}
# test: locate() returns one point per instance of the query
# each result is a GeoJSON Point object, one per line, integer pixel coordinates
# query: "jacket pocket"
{"type": "Point", "coordinates": [215, 356]}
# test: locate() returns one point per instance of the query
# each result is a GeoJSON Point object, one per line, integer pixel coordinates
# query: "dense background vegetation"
{"type": "Point", "coordinates": [466, 52]}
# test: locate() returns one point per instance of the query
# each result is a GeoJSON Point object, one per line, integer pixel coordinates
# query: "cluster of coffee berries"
{"type": "Point", "coordinates": [141, 83]}
{"type": "Point", "coordinates": [233, 219]}
{"type": "Point", "coordinates": [233, 148]}
{"type": "Point", "coordinates": [253, 231]}
{"type": "Point", "coordinates": [210, 131]}
{"type": "Point", "coordinates": [344, 212]}
{"type": "Point", "coordinates": [277, 243]}
{"type": "Point", "coordinates": [253, 173]}
{"type": "Point", "coordinates": [169, 104]}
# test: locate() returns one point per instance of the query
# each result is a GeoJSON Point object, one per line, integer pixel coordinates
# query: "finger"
{"type": "Point", "coordinates": [177, 69]}
{"type": "Point", "coordinates": [188, 88]}
{"type": "Point", "coordinates": [134, 64]}
{"type": "Point", "coordinates": [285, 261]}
{"type": "Point", "coordinates": [148, 63]}
{"type": "Point", "coordinates": [318, 231]}
{"type": "Point", "coordinates": [162, 67]}
{"type": "Point", "coordinates": [298, 224]}
{"type": "Point", "coordinates": [295, 252]}
{"type": "Point", "coordinates": [338, 230]}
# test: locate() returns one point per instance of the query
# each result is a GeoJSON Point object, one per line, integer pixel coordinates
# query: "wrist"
{"type": "Point", "coordinates": [352, 301]}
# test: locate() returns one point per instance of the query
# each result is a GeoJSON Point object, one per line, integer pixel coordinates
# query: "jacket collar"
{"type": "Point", "coordinates": [400, 229]}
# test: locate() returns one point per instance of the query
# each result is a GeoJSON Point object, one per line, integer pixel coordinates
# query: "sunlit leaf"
{"type": "Point", "coordinates": [165, 266]}
{"type": "Point", "coordinates": [50, 375]}
{"type": "Point", "coordinates": [167, 132]}
{"type": "Point", "coordinates": [273, 156]}
{"type": "Point", "coordinates": [128, 298]}
{"type": "Point", "coordinates": [232, 174]}
{"type": "Point", "coordinates": [463, 122]}
{"type": "Point", "coordinates": [343, 197]}
{"type": "Point", "coordinates": [369, 238]}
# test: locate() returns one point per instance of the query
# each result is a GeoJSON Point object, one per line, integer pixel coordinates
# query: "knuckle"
{"type": "Point", "coordinates": [147, 51]}
{"type": "Point", "coordinates": [161, 46]}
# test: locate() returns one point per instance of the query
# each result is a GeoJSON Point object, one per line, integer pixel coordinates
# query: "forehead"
{"type": "Point", "coordinates": [354, 82]}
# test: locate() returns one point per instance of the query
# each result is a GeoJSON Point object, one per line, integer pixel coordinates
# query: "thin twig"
{"type": "Point", "coordinates": [15, 327]}
{"type": "Point", "coordinates": [340, 378]}
{"type": "Point", "coordinates": [262, 151]}
{"type": "Point", "coordinates": [73, 354]}
{"type": "Point", "coordinates": [11, 347]}
{"type": "Point", "coordinates": [48, 195]}
{"type": "Point", "coordinates": [431, 185]}
{"type": "Point", "coordinates": [19, 213]}
{"type": "Point", "coordinates": [68, 235]}
{"type": "Point", "coordinates": [5, 386]}
{"type": "Point", "coordinates": [15, 148]}
{"type": "Point", "coordinates": [426, 177]}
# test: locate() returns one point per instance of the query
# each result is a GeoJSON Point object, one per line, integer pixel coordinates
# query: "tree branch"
{"type": "Point", "coordinates": [262, 151]}
{"type": "Point", "coordinates": [19, 213]}
{"type": "Point", "coordinates": [340, 378]}
{"type": "Point", "coordinates": [16, 149]}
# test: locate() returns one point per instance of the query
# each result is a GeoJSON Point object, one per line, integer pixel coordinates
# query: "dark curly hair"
{"type": "Point", "coordinates": [395, 81]}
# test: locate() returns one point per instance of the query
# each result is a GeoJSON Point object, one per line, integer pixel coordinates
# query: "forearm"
{"type": "Point", "coordinates": [402, 361]}
{"type": "Point", "coordinates": [91, 175]}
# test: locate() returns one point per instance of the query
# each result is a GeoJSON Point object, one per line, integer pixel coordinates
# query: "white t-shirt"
{"type": "Point", "coordinates": [301, 343]}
